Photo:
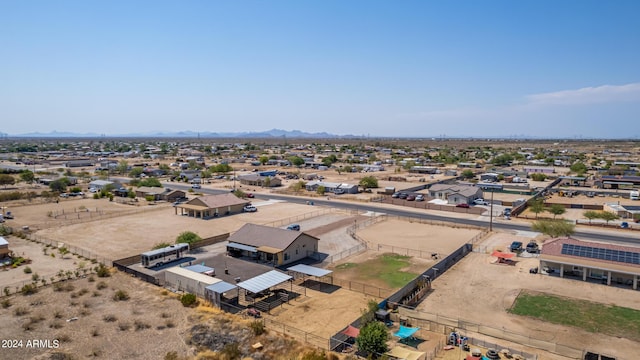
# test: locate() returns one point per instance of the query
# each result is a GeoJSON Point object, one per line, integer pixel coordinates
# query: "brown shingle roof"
{"type": "Point", "coordinates": [218, 201]}
{"type": "Point", "coordinates": [259, 235]}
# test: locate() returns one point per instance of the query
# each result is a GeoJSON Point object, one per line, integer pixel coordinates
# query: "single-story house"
{"type": "Point", "coordinates": [423, 170]}
{"type": "Point", "coordinates": [272, 245]}
{"type": "Point", "coordinates": [102, 184]}
{"type": "Point", "coordinates": [538, 170]}
{"type": "Point", "coordinates": [257, 180]}
{"type": "Point", "coordinates": [331, 187]}
{"type": "Point", "coordinates": [4, 248]}
{"type": "Point", "coordinates": [455, 194]}
{"type": "Point", "coordinates": [604, 262]}
{"type": "Point", "coordinates": [79, 163]}
{"type": "Point", "coordinates": [489, 177]}
{"type": "Point", "coordinates": [190, 174]}
{"type": "Point", "coordinates": [211, 206]}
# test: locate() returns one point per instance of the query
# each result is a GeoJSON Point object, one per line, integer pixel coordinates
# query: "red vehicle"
{"type": "Point", "coordinates": [249, 195]}
{"type": "Point", "coordinates": [463, 205]}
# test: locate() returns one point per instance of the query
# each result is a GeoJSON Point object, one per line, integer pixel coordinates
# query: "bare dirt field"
{"type": "Point", "coordinates": [121, 236]}
{"type": "Point", "coordinates": [77, 321]}
{"type": "Point", "coordinates": [482, 291]}
{"type": "Point", "coordinates": [44, 266]}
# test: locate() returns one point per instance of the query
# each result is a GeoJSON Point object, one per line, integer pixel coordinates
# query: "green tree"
{"type": "Point", "coordinates": [321, 190]}
{"type": "Point", "coordinates": [150, 182]}
{"type": "Point", "coordinates": [553, 228]}
{"type": "Point", "coordinates": [136, 172]}
{"type": "Point", "coordinates": [590, 214]}
{"type": "Point", "coordinates": [468, 174]}
{"type": "Point", "coordinates": [373, 338]}
{"type": "Point", "coordinates": [59, 185]}
{"type": "Point", "coordinates": [538, 177]}
{"type": "Point", "coordinates": [556, 209]}
{"type": "Point", "coordinates": [296, 161]}
{"type": "Point", "coordinates": [187, 237]}
{"type": "Point", "coordinates": [536, 206]}
{"type": "Point", "coordinates": [298, 186]}
{"type": "Point", "coordinates": [608, 216]}
{"type": "Point", "coordinates": [122, 167]}
{"type": "Point", "coordinates": [578, 167]}
{"type": "Point", "coordinates": [27, 176]}
{"type": "Point", "coordinates": [263, 159]}
{"type": "Point", "coordinates": [369, 182]}
{"type": "Point", "coordinates": [6, 179]}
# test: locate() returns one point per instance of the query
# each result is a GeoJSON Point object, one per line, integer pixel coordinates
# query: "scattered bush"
{"type": "Point", "coordinates": [92, 279]}
{"type": "Point", "coordinates": [64, 338]}
{"type": "Point", "coordinates": [21, 311]}
{"type": "Point", "coordinates": [94, 332]}
{"type": "Point", "coordinates": [170, 324]}
{"type": "Point", "coordinates": [140, 325]}
{"type": "Point", "coordinates": [55, 324]}
{"type": "Point", "coordinates": [257, 327]}
{"type": "Point", "coordinates": [27, 270]}
{"type": "Point", "coordinates": [83, 291]}
{"type": "Point", "coordinates": [109, 318]}
{"type": "Point", "coordinates": [189, 300]}
{"type": "Point", "coordinates": [102, 271]}
{"type": "Point", "coordinates": [101, 285]}
{"type": "Point", "coordinates": [231, 351]}
{"type": "Point", "coordinates": [121, 295]}
{"type": "Point", "coordinates": [29, 289]}
{"type": "Point", "coordinates": [6, 303]}
{"type": "Point", "coordinates": [171, 355]}
{"type": "Point", "coordinates": [124, 326]}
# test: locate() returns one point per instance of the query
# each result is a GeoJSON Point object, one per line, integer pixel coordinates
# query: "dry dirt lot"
{"type": "Point", "coordinates": [482, 291]}
{"type": "Point", "coordinates": [43, 265]}
{"type": "Point", "coordinates": [121, 236]}
{"type": "Point", "coordinates": [146, 314]}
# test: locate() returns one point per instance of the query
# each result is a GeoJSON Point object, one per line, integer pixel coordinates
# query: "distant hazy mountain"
{"type": "Point", "coordinates": [274, 133]}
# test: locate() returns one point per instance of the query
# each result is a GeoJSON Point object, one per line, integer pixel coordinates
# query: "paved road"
{"type": "Point", "coordinates": [627, 237]}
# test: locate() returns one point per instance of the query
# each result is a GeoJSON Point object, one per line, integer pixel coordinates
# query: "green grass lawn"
{"type": "Point", "coordinates": [598, 318]}
{"type": "Point", "coordinates": [386, 267]}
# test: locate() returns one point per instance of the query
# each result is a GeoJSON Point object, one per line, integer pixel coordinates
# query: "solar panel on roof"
{"type": "Point", "coordinates": [602, 254]}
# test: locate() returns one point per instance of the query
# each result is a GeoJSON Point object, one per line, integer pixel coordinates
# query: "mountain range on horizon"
{"type": "Point", "coordinates": [273, 133]}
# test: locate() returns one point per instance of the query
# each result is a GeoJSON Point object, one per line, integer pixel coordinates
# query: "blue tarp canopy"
{"type": "Point", "coordinates": [242, 247]}
{"type": "Point", "coordinates": [405, 332]}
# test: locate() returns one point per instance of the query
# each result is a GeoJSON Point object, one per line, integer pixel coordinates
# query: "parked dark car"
{"type": "Point", "coordinates": [532, 247]}
{"type": "Point", "coordinates": [516, 246]}
{"type": "Point", "coordinates": [463, 205]}
{"type": "Point", "coordinates": [295, 227]}
{"type": "Point", "coordinates": [403, 195]}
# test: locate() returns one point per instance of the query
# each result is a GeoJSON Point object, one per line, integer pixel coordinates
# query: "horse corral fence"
{"type": "Point", "coordinates": [93, 257]}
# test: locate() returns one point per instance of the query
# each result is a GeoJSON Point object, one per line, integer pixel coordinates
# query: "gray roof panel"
{"type": "Point", "coordinates": [264, 281]}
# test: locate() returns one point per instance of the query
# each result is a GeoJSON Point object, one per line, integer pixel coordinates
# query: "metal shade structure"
{"type": "Point", "coordinates": [309, 270]}
{"type": "Point", "coordinates": [264, 281]}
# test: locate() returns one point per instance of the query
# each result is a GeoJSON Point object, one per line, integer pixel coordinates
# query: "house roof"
{"type": "Point", "coordinates": [553, 250]}
{"type": "Point", "coordinates": [3, 241]}
{"type": "Point", "coordinates": [265, 236]}
{"type": "Point", "coordinates": [217, 201]}
{"type": "Point", "coordinates": [209, 280]}
{"type": "Point", "coordinates": [463, 190]}
{"type": "Point", "coordinates": [101, 182]}
{"type": "Point", "coordinates": [151, 190]}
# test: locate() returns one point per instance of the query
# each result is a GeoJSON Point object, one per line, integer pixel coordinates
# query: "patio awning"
{"type": "Point", "coordinates": [502, 255]}
{"type": "Point", "coordinates": [264, 281]}
{"type": "Point", "coordinates": [269, 250]}
{"type": "Point", "coordinates": [242, 247]}
{"type": "Point", "coordinates": [192, 207]}
{"type": "Point", "coordinates": [351, 331]}
{"type": "Point", "coordinates": [310, 270]}
{"type": "Point", "coordinates": [405, 332]}
{"type": "Point", "coordinates": [221, 287]}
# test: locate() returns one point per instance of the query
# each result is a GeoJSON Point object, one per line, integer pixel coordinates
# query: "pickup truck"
{"type": "Point", "coordinates": [480, 202]}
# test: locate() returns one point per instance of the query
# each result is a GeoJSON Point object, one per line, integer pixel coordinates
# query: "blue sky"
{"type": "Point", "coordinates": [378, 68]}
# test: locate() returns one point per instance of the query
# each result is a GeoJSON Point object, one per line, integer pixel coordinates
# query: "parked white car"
{"type": "Point", "coordinates": [249, 208]}
{"type": "Point", "coordinates": [480, 202]}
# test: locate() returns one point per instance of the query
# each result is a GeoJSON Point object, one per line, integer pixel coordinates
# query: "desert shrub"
{"type": "Point", "coordinates": [27, 270]}
{"type": "Point", "coordinates": [55, 324]}
{"type": "Point", "coordinates": [257, 327]}
{"type": "Point", "coordinates": [124, 326]}
{"type": "Point", "coordinates": [188, 300]}
{"type": "Point", "coordinates": [6, 303]}
{"type": "Point", "coordinates": [109, 318]}
{"type": "Point", "coordinates": [164, 292]}
{"type": "Point", "coordinates": [83, 291]}
{"type": "Point", "coordinates": [120, 295]}
{"type": "Point", "coordinates": [96, 294]}
{"type": "Point", "coordinates": [29, 289]}
{"type": "Point", "coordinates": [171, 355]}
{"type": "Point", "coordinates": [231, 351]}
{"type": "Point", "coordinates": [314, 355]}
{"type": "Point", "coordinates": [95, 332]}
{"type": "Point", "coordinates": [101, 285]}
{"type": "Point", "coordinates": [102, 271]}
{"type": "Point", "coordinates": [165, 315]}
{"type": "Point", "coordinates": [21, 311]}
{"type": "Point", "coordinates": [141, 325]}
{"type": "Point", "coordinates": [92, 279]}
{"type": "Point", "coordinates": [64, 338]}
{"type": "Point", "coordinates": [73, 303]}
{"type": "Point", "coordinates": [170, 324]}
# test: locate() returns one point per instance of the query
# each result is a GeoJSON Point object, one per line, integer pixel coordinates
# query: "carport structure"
{"type": "Point", "coordinates": [301, 271]}
{"type": "Point", "coordinates": [257, 290]}
{"type": "Point", "coordinates": [216, 293]}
